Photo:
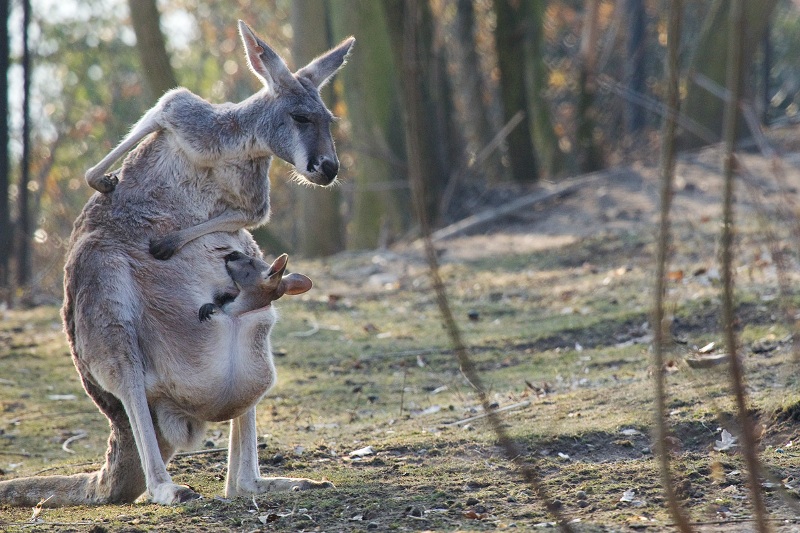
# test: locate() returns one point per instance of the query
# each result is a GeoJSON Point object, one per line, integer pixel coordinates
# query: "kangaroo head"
{"type": "Point", "coordinates": [270, 281]}
{"type": "Point", "coordinates": [297, 126]}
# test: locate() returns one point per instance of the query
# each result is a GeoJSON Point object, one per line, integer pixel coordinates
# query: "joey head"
{"type": "Point", "coordinates": [258, 284]}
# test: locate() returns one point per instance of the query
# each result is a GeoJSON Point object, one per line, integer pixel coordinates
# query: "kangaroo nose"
{"type": "Point", "coordinates": [330, 169]}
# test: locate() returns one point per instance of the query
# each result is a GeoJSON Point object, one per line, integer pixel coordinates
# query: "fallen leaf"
{"type": "Point", "coordinates": [707, 348]}
{"type": "Point", "coordinates": [675, 275]}
{"type": "Point", "coordinates": [707, 360]}
{"type": "Point", "coordinates": [728, 441]}
{"type": "Point", "coordinates": [362, 452]}
{"type": "Point", "coordinates": [61, 397]}
{"type": "Point", "coordinates": [628, 496]}
{"type": "Point", "coordinates": [472, 515]}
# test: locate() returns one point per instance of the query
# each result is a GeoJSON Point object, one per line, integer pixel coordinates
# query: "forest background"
{"type": "Point", "coordinates": [512, 93]}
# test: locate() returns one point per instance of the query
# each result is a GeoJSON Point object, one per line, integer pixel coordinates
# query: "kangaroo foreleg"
{"type": "Point", "coordinates": [243, 473]}
{"type": "Point", "coordinates": [229, 220]}
{"type": "Point", "coordinates": [96, 176]}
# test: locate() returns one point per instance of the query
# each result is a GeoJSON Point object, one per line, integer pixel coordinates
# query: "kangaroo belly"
{"type": "Point", "coordinates": [223, 372]}
{"type": "Point", "coordinates": [215, 369]}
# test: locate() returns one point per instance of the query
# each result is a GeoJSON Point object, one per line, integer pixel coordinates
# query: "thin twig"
{"type": "Point", "coordinates": [58, 467]}
{"type": "Point", "coordinates": [659, 325]}
{"type": "Point", "coordinates": [65, 445]}
{"type": "Point", "coordinates": [200, 452]}
{"type": "Point", "coordinates": [511, 407]}
{"type": "Point", "coordinates": [414, 115]}
{"type": "Point", "coordinates": [726, 260]}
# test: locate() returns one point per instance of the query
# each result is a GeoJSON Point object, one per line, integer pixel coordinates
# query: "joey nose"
{"type": "Point", "coordinates": [330, 169]}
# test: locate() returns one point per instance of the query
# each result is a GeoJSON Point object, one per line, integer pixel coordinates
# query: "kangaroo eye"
{"type": "Point", "coordinates": [234, 256]}
{"type": "Point", "coordinates": [301, 119]}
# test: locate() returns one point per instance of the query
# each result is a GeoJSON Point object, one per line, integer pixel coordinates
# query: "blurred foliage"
{"type": "Point", "coordinates": [88, 91]}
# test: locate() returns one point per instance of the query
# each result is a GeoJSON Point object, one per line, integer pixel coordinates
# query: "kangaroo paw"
{"type": "Point", "coordinates": [171, 494]}
{"type": "Point", "coordinates": [165, 247]}
{"type": "Point", "coordinates": [104, 183]}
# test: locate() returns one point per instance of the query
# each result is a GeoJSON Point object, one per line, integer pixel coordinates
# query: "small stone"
{"type": "Point", "coordinates": [472, 501]}
{"type": "Point", "coordinates": [583, 503]}
{"type": "Point", "coordinates": [372, 525]}
{"type": "Point", "coordinates": [480, 509]}
{"type": "Point", "coordinates": [557, 504]}
{"type": "Point", "coordinates": [473, 315]}
{"type": "Point", "coordinates": [416, 512]}
{"type": "Point", "coordinates": [581, 495]}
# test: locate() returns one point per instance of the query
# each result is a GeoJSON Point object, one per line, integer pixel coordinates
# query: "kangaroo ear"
{"type": "Point", "coordinates": [320, 70]}
{"type": "Point", "coordinates": [296, 284]}
{"type": "Point", "coordinates": [267, 65]}
{"type": "Point", "coordinates": [278, 267]}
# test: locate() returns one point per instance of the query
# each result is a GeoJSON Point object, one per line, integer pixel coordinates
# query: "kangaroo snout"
{"type": "Point", "coordinates": [330, 169]}
{"type": "Point", "coordinates": [323, 170]}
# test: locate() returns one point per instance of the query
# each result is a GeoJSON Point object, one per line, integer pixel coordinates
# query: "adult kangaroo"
{"type": "Point", "coordinates": [187, 191]}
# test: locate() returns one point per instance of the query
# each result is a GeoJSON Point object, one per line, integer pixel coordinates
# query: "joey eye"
{"type": "Point", "coordinates": [300, 119]}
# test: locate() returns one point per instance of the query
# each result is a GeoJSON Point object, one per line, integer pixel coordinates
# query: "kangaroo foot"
{"type": "Point", "coordinates": [277, 484]}
{"type": "Point", "coordinates": [105, 183]}
{"type": "Point", "coordinates": [171, 494]}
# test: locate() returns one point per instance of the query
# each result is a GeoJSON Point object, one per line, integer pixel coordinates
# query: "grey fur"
{"type": "Point", "coordinates": [152, 368]}
{"type": "Point", "coordinates": [286, 118]}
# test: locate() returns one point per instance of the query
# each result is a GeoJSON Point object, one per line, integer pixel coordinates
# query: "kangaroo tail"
{"type": "Point", "coordinates": [120, 480]}
{"type": "Point", "coordinates": [55, 491]}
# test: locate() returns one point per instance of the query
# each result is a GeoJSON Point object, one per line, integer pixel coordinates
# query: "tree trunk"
{"type": "Point", "coordinates": [635, 64]}
{"type": "Point", "coordinates": [590, 157]}
{"type": "Point", "coordinates": [6, 238]}
{"type": "Point", "coordinates": [152, 48]}
{"type": "Point", "coordinates": [709, 61]}
{"type": "Point", "coordinates": [510, 35]}
{"type": "Point", "coordinates": [24, 236]}
{"type": "Point", "coordinates": [320, 227]}
{"type": "Point", "coordinates": [431, 91]}
{"type": "Point", "coordinates": [472, 113]}
{"type": "Point", "coordinates": [550, 158]}
{"type": "Point", "coordinates": [380, 209]}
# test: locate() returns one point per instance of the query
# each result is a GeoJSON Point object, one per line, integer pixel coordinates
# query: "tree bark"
{"type": "Point", "coordinates": [24, 223]}
{"type": "Point", "coordinates": [319, 225]}
{"type": "Point", "coordinates": [152, 48]}
{"type": "Point", "coordinates": [710, 60]}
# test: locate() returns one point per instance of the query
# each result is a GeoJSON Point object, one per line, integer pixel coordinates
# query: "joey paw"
{"type": "Point", "coordinates": [165, 247]}
{"type": "Point", "coordinates": [206, 311]}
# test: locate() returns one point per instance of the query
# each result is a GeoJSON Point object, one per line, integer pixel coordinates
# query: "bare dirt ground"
{"type": "Point", "coordinates": [554, 305]}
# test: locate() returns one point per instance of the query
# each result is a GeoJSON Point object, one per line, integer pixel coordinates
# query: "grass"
{"type": "Point", "coordinates": [560, 335]}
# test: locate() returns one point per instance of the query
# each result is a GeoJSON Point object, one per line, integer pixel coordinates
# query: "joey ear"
{"type": "Point", "coordinates": [278, 267]}
{"type": "Point", "coordinates": [321, 69]}
{"type": "Point", "coordinates": [264, 62]}
{"type": "Point", "coordinates": [295, 284]}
